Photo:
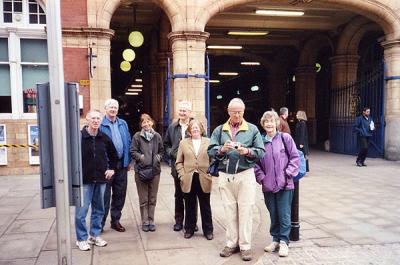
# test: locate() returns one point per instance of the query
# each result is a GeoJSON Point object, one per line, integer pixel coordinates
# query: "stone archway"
{"type": "Point", "coordinates": [384, 15]}
{"type": "Point", "coordinates": [104, 10]}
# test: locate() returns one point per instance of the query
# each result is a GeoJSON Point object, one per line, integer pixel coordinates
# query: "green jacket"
{"type": "Point", "coordinates": [232, 162]}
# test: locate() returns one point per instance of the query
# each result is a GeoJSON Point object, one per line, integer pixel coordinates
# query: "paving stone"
{"type": "Point", "coordinates": [28, 226]}
{"type": "Point", "coordinates": [17, 246]}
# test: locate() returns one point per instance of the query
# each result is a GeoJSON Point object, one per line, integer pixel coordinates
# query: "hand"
{"type": "Point", "coordinates": [301, 146]}
{"type": "Point", "coordinates": [109, 173]}
{"type": "Point", "coordinates": [227, 146]}
{"type": "Point", "coordinates": [243, 150]}
{"type": "Point", "coordinates": [129, 167]}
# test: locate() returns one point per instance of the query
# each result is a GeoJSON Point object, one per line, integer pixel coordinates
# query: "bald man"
{"type": "Point", "coordinates": [238, 145]}
{"type": "Point", "coordinates": [99, 161]}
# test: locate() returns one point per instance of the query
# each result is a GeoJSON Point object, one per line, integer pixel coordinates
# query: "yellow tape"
{"type": "Point", "coordinates": [19, 145]}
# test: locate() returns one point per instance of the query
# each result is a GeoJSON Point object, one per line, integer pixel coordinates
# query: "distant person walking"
{"type": "Point", "coordinates": [192, 163]}
{"type": "Point", "coordinates": [146, 151]}
{"type": "Point", "coordinates": [283, 124]}
{"type": "Point", "coordinates": [99, 160]}
{"type": "Point", "coordinates": [238, 145]}
{"type": "Point", "coordinates": [117, 129]}
{"type": "Point", "coordinates": [275, 172]}
{"type": "Point", "coordinates": [363, 126]}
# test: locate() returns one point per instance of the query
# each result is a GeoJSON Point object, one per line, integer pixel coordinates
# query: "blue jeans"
{"type": "Point", "coordinates": [279, 207]}
{"type": "Point", "coordinates": [93, 194]}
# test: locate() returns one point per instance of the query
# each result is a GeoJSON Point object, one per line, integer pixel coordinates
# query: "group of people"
{"type": "Point", "coordinates": [245, 157]}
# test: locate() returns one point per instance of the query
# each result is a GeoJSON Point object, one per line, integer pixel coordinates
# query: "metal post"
{"type": "Point", "coordinates": [58, 118]}
{"type": "Point", "coordinates": [295, 231]}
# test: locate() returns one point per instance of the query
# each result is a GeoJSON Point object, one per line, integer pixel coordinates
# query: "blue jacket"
{"type": "Point", "coordinates": [362, 126]}
{"type": "Point", "coordinates": [126, 137]}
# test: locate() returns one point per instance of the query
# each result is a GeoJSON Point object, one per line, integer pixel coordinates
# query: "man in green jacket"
{"type": "Point", "coordinates": [238, 147]}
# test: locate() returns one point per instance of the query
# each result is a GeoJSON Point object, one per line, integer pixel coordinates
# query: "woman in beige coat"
{"type": "Point", "coordinates": [192, 163]}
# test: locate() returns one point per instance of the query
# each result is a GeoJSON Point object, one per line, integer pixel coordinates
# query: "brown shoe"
{"type": "Point", "coordinates": [118, 227]}
{"type": "Point", "coordinates": [246, 254]}
{"type": "Point", "coordinates": [227, 251]}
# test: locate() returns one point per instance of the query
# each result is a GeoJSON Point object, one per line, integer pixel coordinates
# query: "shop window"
{"type": "Point", "coordinates": [32, 75]}
{"type": "Point", "coordinates": [5, 89]}
{"type": "Point", "coordinates": [5, 86]}
{"type": "Point", "coordinates": [33, 51]}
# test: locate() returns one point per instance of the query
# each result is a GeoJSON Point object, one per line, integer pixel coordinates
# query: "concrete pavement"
{"type": "Point", "coordinates": [349, 215]}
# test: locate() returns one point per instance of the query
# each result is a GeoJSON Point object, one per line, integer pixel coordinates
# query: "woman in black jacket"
{"type": "Point", "coordinates": [146, 151]}
{"type": "Point", "coordinates": [301, 136]}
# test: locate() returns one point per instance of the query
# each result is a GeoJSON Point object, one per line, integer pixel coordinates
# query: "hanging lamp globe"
{"type": "Point", "coordinates": [125, 66]}
{"type": "Point", "coordinates": [136, 39]}
{"type": "Point", "coordinates": [128, 55]}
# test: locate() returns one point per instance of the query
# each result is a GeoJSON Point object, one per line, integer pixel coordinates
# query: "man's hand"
{"type": "Point", "coordinates": [301, 146]}
{"type": "Point", "coordinates": [228, 145]}
{"type": "Point", "coordinates": [243, 150]}
{"type": "Point", "coordinates": [109, 173]}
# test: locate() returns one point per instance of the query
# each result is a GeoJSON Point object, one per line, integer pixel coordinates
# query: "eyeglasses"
{"type": "Point", "coordinates": [236, 112]}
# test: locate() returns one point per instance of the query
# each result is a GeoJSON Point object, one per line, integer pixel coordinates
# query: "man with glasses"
{"type": "Point", "coordinates": [238, 145]}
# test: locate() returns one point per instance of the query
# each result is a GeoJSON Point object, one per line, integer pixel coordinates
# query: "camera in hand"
{"type": "Point", "coordinates": [236, 145]}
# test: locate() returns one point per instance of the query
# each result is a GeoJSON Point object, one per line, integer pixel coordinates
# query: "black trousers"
{"type": "Point", "coordinates": [179, 204]}
{"type": "Point", "coordinates": [117, 185]}
{"type": "Point", "coordinates": [363, 143]}
{"type": "Point", "coordinates": [191, 209]}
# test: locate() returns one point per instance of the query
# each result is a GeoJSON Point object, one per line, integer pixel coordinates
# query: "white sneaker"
{"type": "Point", "coordinates": [283, 249]}
{"type": "Point", "coordinates": [274, 246]}
{"type": "Point", "coordinates": [83, 245]}
{"type": "Point", "coordinates": [98, 241]}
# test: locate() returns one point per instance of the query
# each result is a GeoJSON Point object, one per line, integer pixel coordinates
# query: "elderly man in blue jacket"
{"type": "Point", "coordinates": [363, 126]}
{"type": "Point", "coordinates": [117, 130]}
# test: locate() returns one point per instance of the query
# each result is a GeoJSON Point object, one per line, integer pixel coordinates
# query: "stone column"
{"type": "Point", "coordinates": [344, 69]}
{"type": "Point", "coordinates": [305, 97]}
{"type": "Point", "coordinates": [188, 49]}
{"type": "Point", "coordinates": [392, 99]}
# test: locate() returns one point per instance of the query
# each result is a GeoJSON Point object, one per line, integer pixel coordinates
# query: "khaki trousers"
{"type": "Point", "coordinates": [147, 192]}
{"type": "Point", "coordinates": [238, 193]}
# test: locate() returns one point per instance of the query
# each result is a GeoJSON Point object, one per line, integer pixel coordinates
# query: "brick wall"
{"type": "Point", "coordinates": [74, 13]}
{"type": "Point", "coordinates": [76, 68]}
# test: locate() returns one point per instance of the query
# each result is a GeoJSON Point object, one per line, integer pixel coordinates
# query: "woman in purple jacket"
{"type": "Point", "coordinates": [275, 172]}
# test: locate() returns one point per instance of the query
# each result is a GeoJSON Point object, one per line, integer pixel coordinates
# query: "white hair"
{"type": "Point", "coordinates": [111, 102]}
{"type": "Point", "coordinates": [236, 100]}
{"type": "Point", "coordinates": [184, 104]}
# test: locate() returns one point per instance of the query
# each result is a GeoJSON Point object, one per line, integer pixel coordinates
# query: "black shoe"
{"type": "Point", "coordinates": [118, 227]}
{"type": "Point", "coordinates": [196, 228]}
{"type": "Point", "coordinates": [209, 236]}
{"type": "Point", "coordinates": [145, 228]}
{"type": "Point", "coordinates": [363, 164]}
{"type": "Point", "coordinates": [359, 164]}
{"type": "Point", "coordinates": [152, 227]}
{"type": "Point", "coordinates": [188, 234]}
{"type": "Point", "coordinates": [178, 227]}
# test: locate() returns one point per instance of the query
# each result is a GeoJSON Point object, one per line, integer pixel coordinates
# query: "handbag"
{"type": "Point", "coordinates": [303, 163]}
{"type": "Point", "coordinates": [213, 167]}
{"type": "Point", "coordinates": [146, 173]}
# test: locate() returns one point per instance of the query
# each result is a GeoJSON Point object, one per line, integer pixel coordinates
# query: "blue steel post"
{"type": "Point", "coordinates": [208, 96]}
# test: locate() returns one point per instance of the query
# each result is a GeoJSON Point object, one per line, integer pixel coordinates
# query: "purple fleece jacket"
{"type": "Point", "coordinates": [270, 170]}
